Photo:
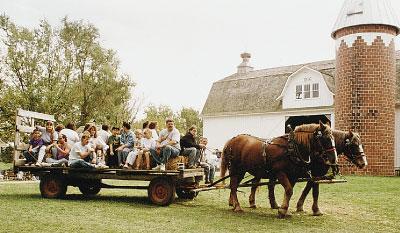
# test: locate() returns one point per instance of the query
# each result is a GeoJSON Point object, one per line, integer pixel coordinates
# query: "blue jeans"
{"type": "Point", "coordinates": [154, 156]}
{"type": "Point", "coordinates": [193, 154]}
{"type": "Point", "coordinates": [122, 155]}
{"type": "Point", "coordinates": [209, 171]}
{"type": "Point", "coordinates": [168, 152]}
{"type": "Point", "coordinates": [30, 157]}
{"type": "Point", "coordinates": [79, 163]}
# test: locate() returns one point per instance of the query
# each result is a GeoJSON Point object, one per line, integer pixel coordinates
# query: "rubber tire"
{"type": "Point", "coordinates": [161, 191]}
{"type": "Point", "coordinates": [90, 188]}
{"type": "Point", "coordinates": [184, 194]}
{"type": "Point", "coordinates": [53, 186]}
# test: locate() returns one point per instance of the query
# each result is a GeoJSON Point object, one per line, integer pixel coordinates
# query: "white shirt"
{"type": "Point", "coordinates": [78, 148]}
{"type": "Point", "coordinates": [72, 136]}
{"type": "Point", "coordinates": [103, 135]}
{"type": "Point", "coordinates": [149, 143]}
{"type": "Point", "coordinates": [154, 134]}
{"type": "Point", "coordinates": [173, 135]}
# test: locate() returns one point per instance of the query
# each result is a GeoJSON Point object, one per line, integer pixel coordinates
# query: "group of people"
{"type": "Point", "coordinates": [142, 149]}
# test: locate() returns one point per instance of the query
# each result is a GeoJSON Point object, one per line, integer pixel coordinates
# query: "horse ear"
{"type": "Point", "coordinates": [322, 125]}
{"type": "Point", "coordinates": [350, 133]}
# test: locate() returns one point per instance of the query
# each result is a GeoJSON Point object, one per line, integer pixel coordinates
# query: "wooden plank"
{"type": "Point", "coordinates": [37, 115]}
{"type": "Point", "coordinates": [25, 129]}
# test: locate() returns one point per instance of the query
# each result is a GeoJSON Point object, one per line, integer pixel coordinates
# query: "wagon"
{"type": "Point", "coordinates": [163, 185]}
{"type": "Point", "coordinates": [54, 181]}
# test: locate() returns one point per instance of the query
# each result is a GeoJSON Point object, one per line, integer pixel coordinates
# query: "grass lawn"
{"type": "Point", "coordinates": [5, 166]}
{"type": "Point", "coordinates": [363, 204]}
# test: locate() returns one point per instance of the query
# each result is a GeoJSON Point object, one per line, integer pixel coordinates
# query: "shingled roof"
{"type": "Point", "coordinates": [257, 91]}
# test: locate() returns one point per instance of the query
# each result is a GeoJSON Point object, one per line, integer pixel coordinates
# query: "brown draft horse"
{"type": "Point", "coordinates": [245, 153]}
{"type": "Point", "coordinates": [346, 143]}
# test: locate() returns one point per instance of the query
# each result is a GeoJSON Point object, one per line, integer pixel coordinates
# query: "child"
{"type": "Point", "coordinates": [148, 146]}
{"type": "Point", "coordinates": [31, 155]}
{"type": "Point", "coordinates": [208, 161]}
{"type": "Point", "coordinates": [63, 149]}
{"type": "Point", "coordinates": [80, 151]}
{"type": "Point", "coordinates": [138, 146]}
{"type": "Point", "coordinates": [113, 142]}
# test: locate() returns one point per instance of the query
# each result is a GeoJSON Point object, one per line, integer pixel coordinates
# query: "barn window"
{"type": "Point", "coordinates": [307, 91]}
{"type": "Point", "coordinates": [299, 91]}
{"type": "Point", "coordinates": [315, 90]}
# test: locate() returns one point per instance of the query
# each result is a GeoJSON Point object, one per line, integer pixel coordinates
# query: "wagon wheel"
{"type": "Point", "coordinates": [161, 191]}
{"type": "Point", "coordinates": [185, 193]}
{"type": "Point", "coordinates": [53, 186]}
{"type": "Point", "coordinates": [90, 187]}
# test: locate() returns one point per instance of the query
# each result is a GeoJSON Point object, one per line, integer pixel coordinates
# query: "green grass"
{"type": "Point", "coordinates": [363, 204]}
{"type": "Point", "coordinates": [5, 166]}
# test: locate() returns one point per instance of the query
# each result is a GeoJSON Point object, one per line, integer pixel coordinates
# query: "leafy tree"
{"type": "Point", "coordinates": [184, 119]}
{"type": "Point", "coordinates": [62, 71]}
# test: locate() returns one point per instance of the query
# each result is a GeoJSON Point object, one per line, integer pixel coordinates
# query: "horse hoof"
{"type": "Point", "coordinates": [275, 207]}
{"type": "Point", "coordinates": [253, 206]}
{"type": "Point", "coordinates": [317, 213]}
{"type": "Point", "coordinates": [282, 213]}
{"type": "Point", "coordinates": [230, 204]}
{"type": "Point", "coordinates": [237, 210]}
{"type": "Point", "coordinates": [300, 209]}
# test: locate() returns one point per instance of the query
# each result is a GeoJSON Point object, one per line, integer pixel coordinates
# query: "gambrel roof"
{"type": "Point", "coordinates": [257, 91]}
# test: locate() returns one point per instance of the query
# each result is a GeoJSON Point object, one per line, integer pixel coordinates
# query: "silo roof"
{"type": "Point", "coordinates": [362, 12]}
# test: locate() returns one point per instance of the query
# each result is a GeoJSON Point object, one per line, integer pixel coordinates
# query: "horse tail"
{"type": "Point", "coordinates": [226, 154]}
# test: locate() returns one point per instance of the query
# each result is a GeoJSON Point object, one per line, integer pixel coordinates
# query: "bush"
{"type": "Point", "coordinates": [6, 155]}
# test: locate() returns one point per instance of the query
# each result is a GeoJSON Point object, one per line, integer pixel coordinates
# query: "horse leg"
{"type": "Point", "coordinates": [235, 181]}
{"type": "Point", "coordinates": [303, 196]}
{"type": "Point", "coordinates": [271, 194]}
{"type": "Point", "coordinates": [252, 197]}
{"type": "Point", "coordinates": [315, 208]}
{"type": "Point", "coordinates": [284, 180]}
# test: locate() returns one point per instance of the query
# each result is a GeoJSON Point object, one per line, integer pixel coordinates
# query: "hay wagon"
{"type": "Point", "coordinates": [54, 181]}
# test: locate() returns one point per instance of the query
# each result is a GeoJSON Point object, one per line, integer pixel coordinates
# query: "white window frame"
{"type": "Point", "coordinates": [299, 92]}
{"type": "Point", "coordinates": [315, 90]}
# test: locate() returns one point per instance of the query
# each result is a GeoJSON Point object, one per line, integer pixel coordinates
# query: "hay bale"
{"type": "Point", "coordinates": [172, 163]}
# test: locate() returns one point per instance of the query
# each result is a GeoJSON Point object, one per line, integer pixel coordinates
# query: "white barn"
{"type": "Point", "coordinates": [263, 102]}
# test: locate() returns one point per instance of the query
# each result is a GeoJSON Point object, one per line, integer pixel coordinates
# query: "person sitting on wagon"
{"type": "Point", "coordinates": [114, 141]}
{"type": "Point", "coordinates": [49, 136]}
{"type": "Point", "coordinates": [31, 155]}
{"type": "Point", "coordinates": [63, 149]}
{"type": "Point", "coordinates": [80, 151]}
{"type": "Point", "coordinates": [127, 143]}
{"type": "Point", "coordinates": [149, 148]}
{"type": "Point", "coordinates": [190, 148]}
{"type": "Point", "coordinates": [153, 128]}
{"type": "Point", "coordinates": [146, 147]}
{"type": "Point", "coordinates": [132, 156]}
{"type": "Point", "coordinates": [168, 144]}
{"type": "Point", "coordinates": [208, 161]}
{"type": "Point", "coordinates": [98, 145]}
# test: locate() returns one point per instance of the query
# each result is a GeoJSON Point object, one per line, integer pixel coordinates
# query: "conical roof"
{"type": "Point", "coordinates": [361, 12]}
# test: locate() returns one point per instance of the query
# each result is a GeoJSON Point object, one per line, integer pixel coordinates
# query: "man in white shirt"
{"type": "Point", "coordinates": [79, 151]}
{"type": "Point", "coordinates": [168, 143]}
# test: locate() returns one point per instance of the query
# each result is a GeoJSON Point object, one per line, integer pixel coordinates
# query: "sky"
{"type": "Point", "coordinates": [175, 50]}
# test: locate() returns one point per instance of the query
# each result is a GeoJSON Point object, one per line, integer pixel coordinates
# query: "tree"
{"type": "Point", "coordinates": [184, 119]}
{"type": "Point", "coordinates": [62, 71]}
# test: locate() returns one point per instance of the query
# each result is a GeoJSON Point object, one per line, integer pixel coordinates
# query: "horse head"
{"type": "Point", "coordinates": [319, 139]}
{"type": "Point", "coordinates": [324, 137]}
{"type": "Point", "coordinates": [353, 150]}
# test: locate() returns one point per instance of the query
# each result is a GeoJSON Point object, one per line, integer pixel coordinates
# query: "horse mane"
{"type": "Point", "coordinates": [303, 134]}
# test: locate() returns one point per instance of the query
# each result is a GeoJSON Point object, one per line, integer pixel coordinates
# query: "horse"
{"type": "Point", "coordinates": [346, 143]}
{"type": "Point", "coordinates": [246, 153]}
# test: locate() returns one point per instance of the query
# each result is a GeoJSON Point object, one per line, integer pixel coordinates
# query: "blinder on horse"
{"type": "Point", "coordinates": [354, 151]}
{"type": "Point", "coordinates": [327, 146]}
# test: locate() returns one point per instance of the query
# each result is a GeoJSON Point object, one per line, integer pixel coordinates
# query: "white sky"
{"type": "Point", "coordinates": [174, 50]}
